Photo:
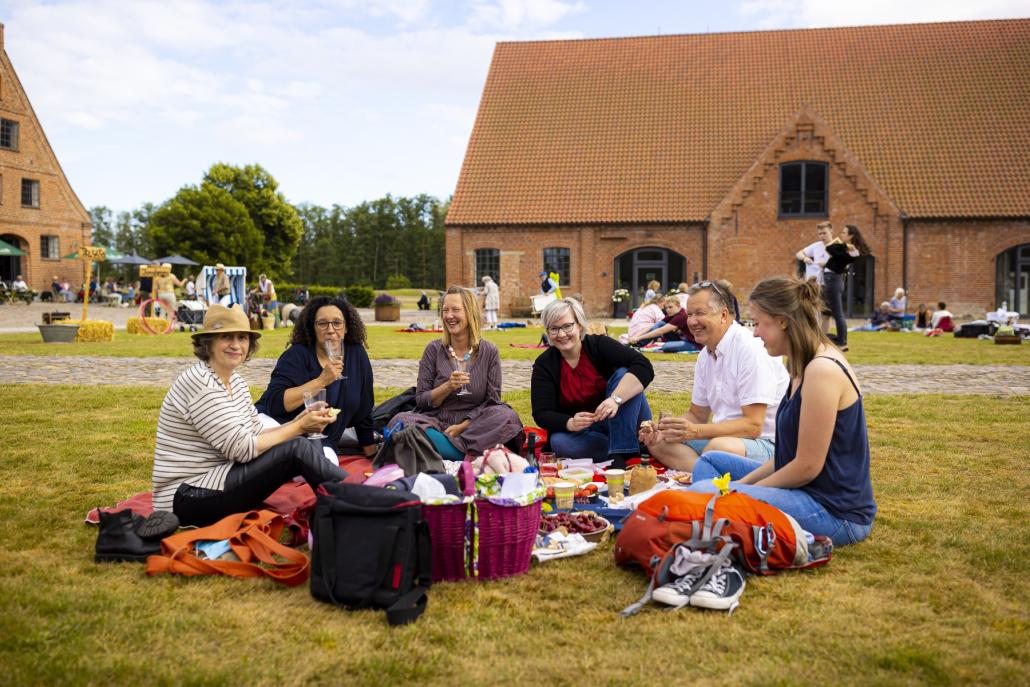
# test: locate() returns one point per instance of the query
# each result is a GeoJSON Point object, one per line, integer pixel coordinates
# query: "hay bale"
{"type": "Point", "coordinates": [135, 325]}
{"type": "Point", "coordinates": [93, 330]}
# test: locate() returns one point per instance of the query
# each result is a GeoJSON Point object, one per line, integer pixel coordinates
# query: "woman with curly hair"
{"type": "Point", "coordinates": [306, 366]}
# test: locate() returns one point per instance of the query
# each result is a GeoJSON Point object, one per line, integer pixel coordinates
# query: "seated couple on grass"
{"type": "Point", "coordinates": [458, 393]}
{"type": "Point", "coordinates": [670, 327]}
{"type": "Point", "coordinates": [213, 457]}
{"type": "Point", "coordinates": [819, 469]}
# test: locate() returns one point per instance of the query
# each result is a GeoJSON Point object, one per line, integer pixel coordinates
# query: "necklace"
{"type": "Point", "coordinates": [465, 358]}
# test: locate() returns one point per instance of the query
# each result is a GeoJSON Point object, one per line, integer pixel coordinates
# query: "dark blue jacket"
{"type": "Point", "coordinates": [353, 396]}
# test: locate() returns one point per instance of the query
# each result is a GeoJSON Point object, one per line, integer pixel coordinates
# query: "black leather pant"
{"type": "Point", "coordinates": [833, 294]}
{"type": "Point", "coordinates": [248, 484]}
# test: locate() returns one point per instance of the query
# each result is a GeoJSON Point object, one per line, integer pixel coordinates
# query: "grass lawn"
{"type": "Point", "coordinates": [937, 595]}
{"type": "Point", "coordinates": [877, 348]}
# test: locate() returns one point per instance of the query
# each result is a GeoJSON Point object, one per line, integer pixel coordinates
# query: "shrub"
{"type": "Point", "coordinates": [285, 291]}
{"type": "Point", "coordinates": [386, 299]}
{"type": "Point", "coordinates": [359, 296]}
{"type": "Point", "coordinates": [397, 281]}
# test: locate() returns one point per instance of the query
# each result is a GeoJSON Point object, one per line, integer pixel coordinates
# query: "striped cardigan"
{"type": "Point", "coordinates": [201, 431]}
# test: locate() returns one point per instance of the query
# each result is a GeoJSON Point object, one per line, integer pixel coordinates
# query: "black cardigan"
{"type": "Point", "coordinates": [605, 353]}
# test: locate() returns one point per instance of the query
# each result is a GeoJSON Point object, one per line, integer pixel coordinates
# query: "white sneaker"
{"type": "Point", "coordinates": [675, 592]}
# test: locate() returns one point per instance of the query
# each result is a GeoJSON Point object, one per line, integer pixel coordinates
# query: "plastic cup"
{"type": "Point", "coordinates": [616, 480]}
{"type": "Point", "coordinates": [564, 495]}
{"type": "Point", "coordinates": [548, 464]}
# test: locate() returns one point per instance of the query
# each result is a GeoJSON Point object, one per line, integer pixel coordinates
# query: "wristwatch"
{"type": "Point", "coordinates": [618, 400]}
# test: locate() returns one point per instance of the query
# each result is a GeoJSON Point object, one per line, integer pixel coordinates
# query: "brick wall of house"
{"type": "Point", "coordinates": [955, 261]}
{"type": "Point", "coordinates": [60, 213]}
{"type": "Point", "coordinates": [592, 254]}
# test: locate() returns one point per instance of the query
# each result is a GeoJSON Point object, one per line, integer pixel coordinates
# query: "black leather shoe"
{"type": "Point", "coordinates": [118, 540]}
{"type": "Point", "coordinates": [158, 525]}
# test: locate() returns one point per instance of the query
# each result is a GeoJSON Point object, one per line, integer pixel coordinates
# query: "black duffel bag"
{"type": "Point", "coordinates": [371, 550]}
{"type": "Point", "coordinates": [384, 412]}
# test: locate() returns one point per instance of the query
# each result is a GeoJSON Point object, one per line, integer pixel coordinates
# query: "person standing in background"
{"type": "Point", "coordinates": [269, 300]}
{"type": "Point", "coordinates": [491, 301]}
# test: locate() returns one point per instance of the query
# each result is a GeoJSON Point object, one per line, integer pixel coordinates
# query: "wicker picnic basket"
{"type": "Point", "coordinates": [480, 540]}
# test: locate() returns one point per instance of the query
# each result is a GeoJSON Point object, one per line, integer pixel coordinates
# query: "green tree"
{"type": "Point", "coordinates": [207, 223]}
{"type": "Point", "coordinates": [276, 220]}
{"type": "Point", "coordinates": [103, 225]}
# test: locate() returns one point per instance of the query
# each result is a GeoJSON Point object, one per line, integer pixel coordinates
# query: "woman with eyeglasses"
{"type": "Point", "coordinates": [587, 390]}
{"type": "Point", "coordinates": [458, 394]}
{"type": "Point", "coordinates": [305, 366]}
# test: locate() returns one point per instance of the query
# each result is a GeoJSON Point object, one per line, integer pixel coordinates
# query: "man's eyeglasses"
{"type": "Point", "coordinates": [324, 325]}
{"type": "Point", "coordinates": [565, 329]}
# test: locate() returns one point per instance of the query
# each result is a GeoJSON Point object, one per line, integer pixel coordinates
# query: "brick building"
{"type": "Point", "coordinates": [686, 157]}
{"type": "Point", "coordinates": [39, 212]}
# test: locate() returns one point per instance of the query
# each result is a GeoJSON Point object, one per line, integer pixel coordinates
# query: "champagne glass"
{"type": "Point", "coordinates": [462, 365]}
{"type": "Point", "coordinates": [315, 400]}
{"type": "Point", "coordinates": [334, 349]}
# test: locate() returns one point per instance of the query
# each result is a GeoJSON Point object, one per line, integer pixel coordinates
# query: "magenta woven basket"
{"type": "Point", "coordinates": [447, 536]}
{"type": "Point", "coordinates": [506, 536]}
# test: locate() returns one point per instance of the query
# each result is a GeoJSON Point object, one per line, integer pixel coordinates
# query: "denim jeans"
{"type": "Point", "coordinates": [675, 344]}
{"type": "Point", "coordinates": [617, 434]}
{"type": "Point", "coordinates": [797, 503]}
{"type": "Point", "coordinates": [755, 449]}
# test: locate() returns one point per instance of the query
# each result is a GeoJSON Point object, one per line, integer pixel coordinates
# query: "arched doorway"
{"type": "Point", "coordinates": [635, 268]}
{"type": "Point", "coordinates": [1012, 283]}
{"type": "Point", "coordinates": [10, 265]}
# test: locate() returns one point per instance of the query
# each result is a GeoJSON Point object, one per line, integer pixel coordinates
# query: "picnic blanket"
{"type": "Point", "coordinates": [286, 500]}
{"type": "Point", "coordinates": [521, 345]}
{"type": "Point", "coordinates": [419, 331]}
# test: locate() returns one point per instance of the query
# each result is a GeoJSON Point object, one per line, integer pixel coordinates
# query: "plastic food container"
{"type": "Point", "coordinates": [578, 475]}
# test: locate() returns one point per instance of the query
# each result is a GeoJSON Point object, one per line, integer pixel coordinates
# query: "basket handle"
{"type": "Point", "coordinates": [467, 478]}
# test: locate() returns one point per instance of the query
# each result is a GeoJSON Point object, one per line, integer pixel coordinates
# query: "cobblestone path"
{"type": "Point", "coordinates": [1006, 380]}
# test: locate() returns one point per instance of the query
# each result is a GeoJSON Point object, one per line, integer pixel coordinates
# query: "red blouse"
{"type": "Point", "coordinates": [582, 388]}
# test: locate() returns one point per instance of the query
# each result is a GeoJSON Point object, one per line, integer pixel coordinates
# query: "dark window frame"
{"type": "Point", "coordinates": [488, 262]}
{"type": "Point", "coordinates": [561, 254]}
{"type": "Point", "coordinates": [10, 129]}
{"type": "Point", "coordinates": [45, 251]}
{"type": "Point", "coordinates": [805, 196]}
{"type": "Point", "coordinates": [33, 193]}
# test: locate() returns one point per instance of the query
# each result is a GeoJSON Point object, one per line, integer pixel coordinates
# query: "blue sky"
{"type": "Point", "coordinates": [341, 100]}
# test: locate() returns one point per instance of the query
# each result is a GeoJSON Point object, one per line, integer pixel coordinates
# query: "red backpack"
{"type": "Point", "coordinates": [758, 537]}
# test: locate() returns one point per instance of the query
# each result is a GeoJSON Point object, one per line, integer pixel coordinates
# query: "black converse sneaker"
{"type": "Point", "coordinates": [721, 592]}
{"type": "Point", "coordinates": [675, 593]}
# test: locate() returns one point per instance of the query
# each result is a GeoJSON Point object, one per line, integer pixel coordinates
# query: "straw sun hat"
{"type": "Point", "coordinates": [222, 320]}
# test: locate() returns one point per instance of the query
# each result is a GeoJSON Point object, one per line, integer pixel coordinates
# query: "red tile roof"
{"type": "Point", "coordinates": [659, 129]}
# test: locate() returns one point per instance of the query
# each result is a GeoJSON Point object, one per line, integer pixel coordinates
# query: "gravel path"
{"type": "Point", "coordinates": [1006, 380]}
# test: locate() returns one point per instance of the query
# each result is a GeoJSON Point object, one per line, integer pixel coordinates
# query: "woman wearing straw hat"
{"type": "Point", "coordinates": [212, 456]}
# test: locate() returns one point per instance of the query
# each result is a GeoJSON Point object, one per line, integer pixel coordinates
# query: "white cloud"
{"type": "Point", "coordinates": [817, 13]}
{"type": "Point", "coordinates": [515, 14]}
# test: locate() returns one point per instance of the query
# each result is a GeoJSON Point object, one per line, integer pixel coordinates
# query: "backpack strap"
{"type": "Point", "coordinates": [409, 607]}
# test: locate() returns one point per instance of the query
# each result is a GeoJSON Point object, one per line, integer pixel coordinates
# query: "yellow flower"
{"type": "Point", "coordinates": [723, 483]}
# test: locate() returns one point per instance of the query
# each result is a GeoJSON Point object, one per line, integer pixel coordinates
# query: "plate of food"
{"type": "Point", "coordinates": [587, 523]}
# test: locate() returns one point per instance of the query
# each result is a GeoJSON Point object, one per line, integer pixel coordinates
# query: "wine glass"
{"type": "Point", "coordinates": [334, 349]}
{"type": "Point", "coordinates": [315, 400]}
{"type": "Point", "coordinates": [462, 365]}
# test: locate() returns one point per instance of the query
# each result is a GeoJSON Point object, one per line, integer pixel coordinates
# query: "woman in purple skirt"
{"type": "Point", "coordinates": [458, 395]}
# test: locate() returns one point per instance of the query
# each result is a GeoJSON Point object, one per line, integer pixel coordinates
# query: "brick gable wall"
{"type": "Point", "coordinates": [59, 213]}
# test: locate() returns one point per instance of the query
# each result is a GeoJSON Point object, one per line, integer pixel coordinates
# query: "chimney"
{"type": "Point", "coordinates": [1, 36]}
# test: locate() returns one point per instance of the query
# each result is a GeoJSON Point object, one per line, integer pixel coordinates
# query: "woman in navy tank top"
{"type": "Point", "coordinates": [820, 470]}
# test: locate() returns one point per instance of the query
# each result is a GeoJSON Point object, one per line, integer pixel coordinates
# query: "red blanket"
{"type": "Point", "coordinates": [287, 499]}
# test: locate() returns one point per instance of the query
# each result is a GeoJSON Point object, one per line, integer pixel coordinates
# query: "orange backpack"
{"type": "Point", "coordinates": [758, 537]}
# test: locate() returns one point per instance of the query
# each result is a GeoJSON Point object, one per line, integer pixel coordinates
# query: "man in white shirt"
{"type": "Point", "coordinates": [19, 284]}
{"type": "Point", "coordinates": [737, 388]}
{"type": "Point", "coordinates": [814, 255]}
